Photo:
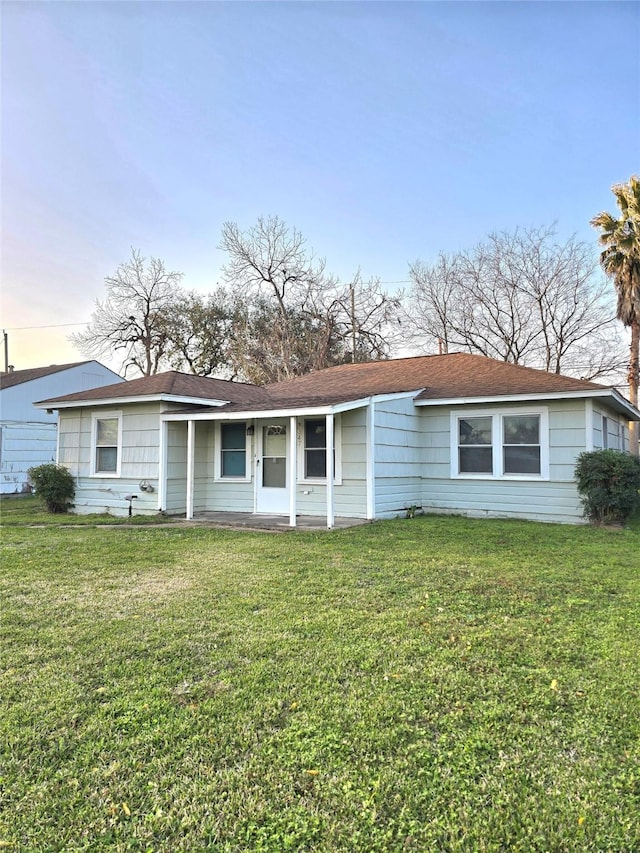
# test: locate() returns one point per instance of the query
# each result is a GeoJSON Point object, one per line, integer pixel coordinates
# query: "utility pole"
{"type": "Point", "coordinates": [352, 287]}
{"type": "Point", "coordinates": [6, 351]}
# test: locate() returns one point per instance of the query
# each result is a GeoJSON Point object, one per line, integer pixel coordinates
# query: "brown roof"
{"type": "Point", "coordinates": [436, 377]}
{"type": "Point", "coordinates": [169, 384]}
{"type": "Point", "coordinates": [441, 377]}
{"type": "Point", "coordinates": [17, 377]}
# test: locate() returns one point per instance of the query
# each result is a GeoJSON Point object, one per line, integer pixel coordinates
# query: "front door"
{"type": "Point", "coordinates": [272, 470]}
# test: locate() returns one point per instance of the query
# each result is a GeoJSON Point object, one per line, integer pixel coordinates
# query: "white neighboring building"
{"type": "Point", "coordinates": [28, 436]}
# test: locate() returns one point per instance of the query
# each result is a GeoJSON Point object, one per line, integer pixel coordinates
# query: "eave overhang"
{"type": "Point", "coordinates": [613, 397]}
{"type": "Point", "coordinates": [121, 401]}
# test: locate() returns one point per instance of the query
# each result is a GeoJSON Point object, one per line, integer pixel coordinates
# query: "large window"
{"type": "Point", "coordinates": [233, 450]}
{"type": "Point", "coordinates": [107, 433]}
{"type": "Point", "coordinates": [500, 444]}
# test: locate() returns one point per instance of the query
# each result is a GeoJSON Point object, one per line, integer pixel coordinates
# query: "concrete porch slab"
{"type": "Point", "coordinates": [259, 521]}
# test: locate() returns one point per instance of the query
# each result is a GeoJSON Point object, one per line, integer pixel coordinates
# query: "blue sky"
{"type": "Point", "coordinates": [385, 132]}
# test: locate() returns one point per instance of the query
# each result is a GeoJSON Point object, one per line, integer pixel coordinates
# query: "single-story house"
{"type": "Point", "coordinates": [455, 433]}
{"type": "Point", "coordinates": [27, 437]}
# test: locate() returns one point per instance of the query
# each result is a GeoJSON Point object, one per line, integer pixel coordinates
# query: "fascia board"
{"type": "Point", "coordinates": [122, 401]}
{"type": "Point", "coordinates": [622, 404]}
{"type": "Point", "coordinates": [247, 414]}
{"type": "Point", "coordinates": [397, 395]}
{"type": "Point", "coordinates": [311, 411]}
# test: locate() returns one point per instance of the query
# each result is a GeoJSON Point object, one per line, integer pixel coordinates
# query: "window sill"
{"type": "Point", "coordinates": [515, 477]}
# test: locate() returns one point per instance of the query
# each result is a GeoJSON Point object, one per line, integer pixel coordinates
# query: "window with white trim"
{"type": "Point", "coordinates": [475, 445]}
{"type": "Point", "coordinates": [509, 444]}
{"type": "Point", "coordinates": [233, 449]}
{"type": "Point", "coordinates": [232, 453]}
{"type": "Point", "coordinates": [315, 449]}
{"type": "Point", "coordinates": [521, 444]}
{"type": "Point", "coordinates": [107, 444]}
{"type": "Point", "coordinates": [312, 450]}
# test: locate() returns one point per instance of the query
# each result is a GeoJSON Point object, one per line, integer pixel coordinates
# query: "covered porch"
{"type": "Point", "coordinates": [268, 469]}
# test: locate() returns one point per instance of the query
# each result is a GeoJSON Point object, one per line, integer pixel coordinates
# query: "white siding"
{"type": "Point", "coordinates": [23, 446]}
{"type": "Point", "coordinates": [28, 434]}
{"type": "Point", "coordinates": [555, 499]}
{"type": "Point", "coordinates": [412, 465]}
{"type": "Point", "coordinates": [617, 429]}
{"type": "Point", "coordinates": [140, 450]}
{"type": "Point", "coordinates": [176, 468]}
{"type": "Point", "coordinates": [399, 455]}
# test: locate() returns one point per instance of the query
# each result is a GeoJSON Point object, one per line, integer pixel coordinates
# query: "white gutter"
{"type": "Point", "coordinates": [625, 405]}
{"type": "Point", "coordinates": [293, 411]}
{"type": "Point", "coordinates": [263, 413]}
{"type": "Point", "coordinates": [119, 401]}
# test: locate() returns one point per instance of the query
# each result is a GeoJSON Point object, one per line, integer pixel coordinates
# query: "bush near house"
{"type": "Point", "coordinates": [55, 485]}
{"type": "Point", "coordinates": [609, 483]}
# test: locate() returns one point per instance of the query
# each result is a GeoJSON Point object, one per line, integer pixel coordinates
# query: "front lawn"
{"type": "Point", "coordinates": [433, 684]}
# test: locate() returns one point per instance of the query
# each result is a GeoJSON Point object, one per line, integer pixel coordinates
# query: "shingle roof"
{"type": "Point", "coordinates": [435, 377]}
{"type": "Point", "coordinates": [169, 384]}
{"type": "Point", "coordinates": [17, 377]}
{"type": "Point", "coordinates": [441, 377]}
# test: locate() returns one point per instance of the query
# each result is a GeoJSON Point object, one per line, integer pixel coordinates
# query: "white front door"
{"type": "Point", "coordinates": [272, 469]}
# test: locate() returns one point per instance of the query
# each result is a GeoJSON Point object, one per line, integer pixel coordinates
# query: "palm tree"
{"type": "Point", "coordinates": [620, 260]}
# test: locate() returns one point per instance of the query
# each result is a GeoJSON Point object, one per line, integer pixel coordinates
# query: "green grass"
{"type": "Point", "coordinates": [434, 684]}
{"type": "Point", "coordinates": [30, 509]}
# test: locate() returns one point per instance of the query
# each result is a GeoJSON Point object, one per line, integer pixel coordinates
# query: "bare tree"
{"type": "Point", "coordinates": [434, 301]}
{"type": "Point", "coordinates": [369, 319]}
{"type": "Point", "coordinates": [131, 320]}
{"type": "Point", "coordinates": [264, 348]}
{"type": "Point", "coordinates": [523, 298]}
{"type": "Point", "coordinates": [297, 317]}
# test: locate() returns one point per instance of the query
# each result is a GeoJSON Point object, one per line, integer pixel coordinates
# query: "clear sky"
{"type": "Point", "coordinates": [384, 131]}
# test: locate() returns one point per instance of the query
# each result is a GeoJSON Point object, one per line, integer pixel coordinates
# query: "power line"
{"type": "Point", "coordinates": [53, 326]}
{"type": "Point", "coordinates": [86, 323]}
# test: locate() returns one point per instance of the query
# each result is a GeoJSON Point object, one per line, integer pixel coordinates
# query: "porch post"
{"type": "Point", "coordinates": [190, 461]}
{"type": "Point", "coordinates": [370, 457]}
{"type": "Point", "coordinates": [162, 466]}
{"type": "Point", "coordinates": [330, 471]}
{"type": "Point", "coordinates": [293, 472]}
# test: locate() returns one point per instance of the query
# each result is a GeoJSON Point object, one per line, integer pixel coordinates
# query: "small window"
{"type": "Point", "coordinates": [106, 459]}
{"type": "Point", "coordinates": [233, 450]}
{"type": "Point", "coordinates": [475, 451]}
{"type": "Point", "coordinates": [315, 449]}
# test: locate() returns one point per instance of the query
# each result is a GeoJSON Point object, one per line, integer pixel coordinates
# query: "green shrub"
{"type": "Point", "coordinates": [609, 485]}
{"type": "Point", "coordinates": [55, 485]}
